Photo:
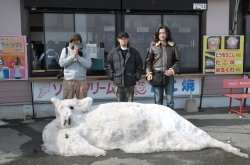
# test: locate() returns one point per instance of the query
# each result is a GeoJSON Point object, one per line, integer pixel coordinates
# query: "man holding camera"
{"type": "Point", "coordinates": [75, 62]}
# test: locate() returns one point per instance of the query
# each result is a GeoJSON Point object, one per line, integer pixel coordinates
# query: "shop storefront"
{"type": "Point", "coordinates": [48, 25]}
{"type": "Point", "coordinates": [98, 23]}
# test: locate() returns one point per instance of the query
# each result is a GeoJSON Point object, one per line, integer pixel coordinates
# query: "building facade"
{"type": "Point", "coordinates": [52, 21]}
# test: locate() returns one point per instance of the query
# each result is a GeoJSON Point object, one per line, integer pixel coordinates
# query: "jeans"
{"type": "Point", "coordinates": [169, 91]}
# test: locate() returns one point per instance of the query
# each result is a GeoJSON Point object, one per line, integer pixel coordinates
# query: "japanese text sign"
{"type": "Point", "coordinates": [223, 54]}
{"type": "Point", "coordinates": [13, 58]}
{"type": "Point", "coordinates": [104, 89]}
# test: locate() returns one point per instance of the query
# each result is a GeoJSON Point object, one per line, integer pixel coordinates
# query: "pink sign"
{"type": "Point", "coordinates": [13, 58]}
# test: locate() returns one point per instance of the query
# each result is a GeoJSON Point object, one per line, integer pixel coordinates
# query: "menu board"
{"type": "Point", "coordinates": [13, 58]}
{"type": "Point", "coordinates": [223, 54]}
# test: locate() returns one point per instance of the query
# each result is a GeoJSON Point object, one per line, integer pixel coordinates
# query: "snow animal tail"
{"type": "Point", "coordinates": [227, 147]}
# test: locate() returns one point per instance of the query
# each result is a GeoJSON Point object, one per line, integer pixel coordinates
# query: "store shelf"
{"type": "Point", "coordinates": [38, 71]}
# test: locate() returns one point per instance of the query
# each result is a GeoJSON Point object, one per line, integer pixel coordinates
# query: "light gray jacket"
{"type": "Point", "coordinates": [75, 68]}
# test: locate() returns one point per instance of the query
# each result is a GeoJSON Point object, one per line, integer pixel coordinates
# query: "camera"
{"type": "Point", "coordinates": [60, 74]}
{"type": "Point", "coordinates": [80, 53]}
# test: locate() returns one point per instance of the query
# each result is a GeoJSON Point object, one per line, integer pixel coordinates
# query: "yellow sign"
{"type": "Point", "coordinates": [12, 44]}
{"type": "Point", "coordinates": [223, 54]}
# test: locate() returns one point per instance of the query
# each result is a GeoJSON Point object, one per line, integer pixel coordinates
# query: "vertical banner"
{"type": "Point", "coordinates": [13, 58]}
{"type": "Point", "coordinates": [223, 54]}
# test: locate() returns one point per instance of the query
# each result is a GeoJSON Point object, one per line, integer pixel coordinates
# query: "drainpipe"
{"type": "Point", "coordinates": [234, 23]}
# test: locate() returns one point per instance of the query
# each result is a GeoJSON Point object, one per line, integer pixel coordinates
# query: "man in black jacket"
{"type": "Point", "coordinates": [124, 67]}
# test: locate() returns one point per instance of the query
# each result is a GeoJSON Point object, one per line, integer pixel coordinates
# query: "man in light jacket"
{"type": "Point", "coordinates": [75, 63]}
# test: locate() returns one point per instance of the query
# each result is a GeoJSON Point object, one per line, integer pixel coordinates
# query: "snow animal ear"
{"type": "Point", "coordinates": [54, 100]}
{"type": "Point", "coordinates": [56, 103]}
{"type": "Point", "coordinates": [85, 104]}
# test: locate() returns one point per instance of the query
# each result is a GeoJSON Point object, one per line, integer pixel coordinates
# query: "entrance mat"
{"type": "Point", "coordinates": [11, 122]}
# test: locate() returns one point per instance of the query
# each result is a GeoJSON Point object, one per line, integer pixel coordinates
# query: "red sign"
{"type": "Point", "coordinates": [236, 83]}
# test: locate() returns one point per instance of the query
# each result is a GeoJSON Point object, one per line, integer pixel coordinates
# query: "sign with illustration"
{"type": "Point", "coordinates": [223, 54]}
{"type": "Point", "coordinates": [13, 58]}
{"type": "Point", "coordinates": [92, 49]}
{"type": "Point", "coordinates": [103, 89]}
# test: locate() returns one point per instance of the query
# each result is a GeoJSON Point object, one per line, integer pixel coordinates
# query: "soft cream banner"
{"type": "Point", "coordinates": [103, 89]}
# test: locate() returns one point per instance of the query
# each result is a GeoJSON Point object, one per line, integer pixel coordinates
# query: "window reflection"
{"type": "Point", "coordinates": [184, 29]}
{"type": "Point", "coordinates": [37, 39]}
{"type": "Point", "coordinates": [98, 35]}
{"type": "Point", "coordinates": [141, 30]}
{"type": "Point", "coordinates": [58, 29]}
{"type": "Point", "coordinates": [185, 32]}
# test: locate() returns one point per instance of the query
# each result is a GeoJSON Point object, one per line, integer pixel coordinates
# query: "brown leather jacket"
{"type": "Point", "coordinates": [155, 60]}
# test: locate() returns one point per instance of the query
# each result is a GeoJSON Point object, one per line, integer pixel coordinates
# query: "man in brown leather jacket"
{"type": "Point", "coordinates": [164, 59]}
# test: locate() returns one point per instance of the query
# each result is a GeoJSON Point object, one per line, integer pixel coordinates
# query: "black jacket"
{"type": "Point", "coordinates": [155, 61]}
{"type": "Point", "coordinates": [124, 72]}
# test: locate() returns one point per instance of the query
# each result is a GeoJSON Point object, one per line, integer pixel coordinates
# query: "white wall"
{"type": "Point", "coordinates": [10, 19]}
{"type": "Point", "coordinates": [47, 109]}
{"type": "Point", "coordinates": [10, 24]}
{"type": "Point", "coordinates": [217, 17]}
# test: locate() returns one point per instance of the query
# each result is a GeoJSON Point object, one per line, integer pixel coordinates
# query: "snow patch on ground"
{"type": "Point", "coordinates": [3, 123]}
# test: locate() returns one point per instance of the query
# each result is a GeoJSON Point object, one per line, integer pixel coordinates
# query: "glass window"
{"type": "Point", "coordinates": [37, 40]}
{"type": "Point", "coordinates": [50, 32]}
{"type": "Point", "coordinates": [141, 30]}
{"type": "Point", "coordinates": [247, 39]}
{"type": "Point", "coordinates": [98, 35]}
{"type": "Point", "coordinates": [185, 33]}
{"type": "Point", "coordinates": [184, 29]}
{"type": "Point", "coordinates": [58, 28]}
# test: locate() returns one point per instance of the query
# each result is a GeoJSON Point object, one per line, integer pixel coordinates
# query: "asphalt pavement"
{"type": "Point", "coordinates": [22, 145]}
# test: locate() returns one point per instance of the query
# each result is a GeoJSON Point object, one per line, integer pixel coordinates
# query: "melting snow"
{"type": "Point", "coordinates": [2, 122]}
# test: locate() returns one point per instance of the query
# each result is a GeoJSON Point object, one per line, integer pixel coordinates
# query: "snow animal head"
{"type": "Point", "coordinates": [67, 109]}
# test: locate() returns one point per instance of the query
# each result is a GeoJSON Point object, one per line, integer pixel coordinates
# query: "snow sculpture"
{"type": "Point", "coordinates": [82, 129]}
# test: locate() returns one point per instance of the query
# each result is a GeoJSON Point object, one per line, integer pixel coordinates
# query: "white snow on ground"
{"type": "Point", "coordinates": [82, 129]}
{"type": "Point", "coordinates": [2, 122]}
